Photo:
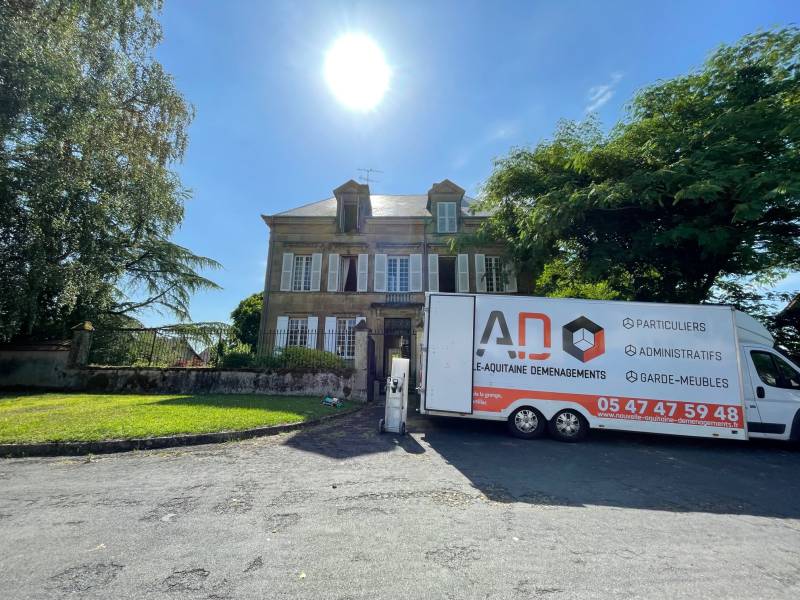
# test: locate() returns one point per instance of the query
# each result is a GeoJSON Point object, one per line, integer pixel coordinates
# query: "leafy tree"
{"type": "Point", "coordinates": [699, 185]}
{"type": "Point", "coordinates": [246, 319]}
{"type": "Point", "coordinates": [90, 127]}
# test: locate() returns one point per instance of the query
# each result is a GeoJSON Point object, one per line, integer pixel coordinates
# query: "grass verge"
{"type": "Point", "coordinates": [57, 417]}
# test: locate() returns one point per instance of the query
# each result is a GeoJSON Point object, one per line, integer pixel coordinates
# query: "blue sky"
{"type": "Point", "coordinates": [470, 80]}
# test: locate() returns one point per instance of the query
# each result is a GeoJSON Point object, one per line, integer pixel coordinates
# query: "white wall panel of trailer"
{"type": "Point", "coordinates": [448, 360]}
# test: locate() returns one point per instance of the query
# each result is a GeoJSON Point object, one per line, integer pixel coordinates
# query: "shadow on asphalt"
{"type": "Point", "coordinates": [622, 470]}
{"type": "Point", "coordinates": [352, 436]}
{"type": "Point", "coordinates": [615, 469]}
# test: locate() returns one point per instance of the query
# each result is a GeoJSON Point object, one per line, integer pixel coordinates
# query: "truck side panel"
{"type": "Point", "coordinates": [631, 366]}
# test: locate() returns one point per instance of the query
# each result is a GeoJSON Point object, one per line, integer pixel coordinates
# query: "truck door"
{"type": "Point", "coordinates": [448, 369]}
{"type": "Point", "coordinates": [775, 391]}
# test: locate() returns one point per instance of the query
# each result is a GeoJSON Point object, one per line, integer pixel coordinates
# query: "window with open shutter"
{"type": "Point", "coordinates": [463, 273]}
{"type": "Point", "coordinates": [363, 272]}
{"type": "Point", "coordinates": [333, 272]}
{"type": "Point", "coordinates": [380, 273]}
{"type": "Point", "coordinates": [510, 277]}
{"type": "Point", "coordinates": [281, 332]}
{"type": "Point", "coordinates": [433, 272]}
{"type": "Point", "coordinates": [330, 334]}
{"type": "Point", "coordinates": [480, 273]}
{"type": "Point", "coordinates": [286, 271]}
{"type": "Point", "coordinates": [415, 273]}
{"type": "Point", "coordinates": [316, 271]}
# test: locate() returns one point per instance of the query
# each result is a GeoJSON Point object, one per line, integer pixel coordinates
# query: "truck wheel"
{"type": "Point", "coordinates": [526, 423]}
{"type": "Point", "coordinates": [569, 425]}
{"type": "Point", "coordinates": [381, 427]}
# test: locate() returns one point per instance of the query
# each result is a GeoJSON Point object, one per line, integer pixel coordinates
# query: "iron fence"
{"type": "Point", "coordinates": [218, 347]}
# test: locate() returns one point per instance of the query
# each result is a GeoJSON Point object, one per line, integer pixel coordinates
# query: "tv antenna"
{"type": "Point", "coordinates": [366, 176]}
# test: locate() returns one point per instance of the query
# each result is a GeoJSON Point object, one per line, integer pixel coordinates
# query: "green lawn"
{"type": "Point", "coordinates": [84, 417]}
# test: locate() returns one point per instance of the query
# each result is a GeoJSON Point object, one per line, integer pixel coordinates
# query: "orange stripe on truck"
{"type": "Point", "coordinates": [492, 399]}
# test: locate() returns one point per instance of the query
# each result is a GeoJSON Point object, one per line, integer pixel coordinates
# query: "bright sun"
{"type": "Point", "coordinates": [356, 71]}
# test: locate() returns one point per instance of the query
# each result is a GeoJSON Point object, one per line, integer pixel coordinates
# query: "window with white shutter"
{"type": "Point", "coordinates": [286, 271]}
{"type": "Point", "coordinates": [463, 273]}
{"type": "Point", "coordinates": [311, 327]}
{"type": "Point", "coordinates": [433, 272]}
{"type": "Point", "coordinates": [316, 271]}
{"type": "Point", "coordinates": [380, 273]}
{"type": "Point", "coordinates": [480, 273]}
{"type": "Point", "coordinates": [301, 275]}
{"type": "Point", "coordinates": [446, 217]}
{"type": "Point", "coordinates": [333, 272]}
{"type": "Point", "coordinates": [297, 332]}
{"type": "Point", "coordinates": [415, 273]}
{"type": "Point", "coordinates": [397, 274]}
{"type": "Point", "coordinates": [281, 332]}
{"type": "Point", "coordinates": [330, 334]}
{"type": "Point", "coordinates": [510, 277]}
{"type": "Point", "coordinates": [346, 337]}
{"type": "Point", "coordinates": [363, 272]}
{"type": "Point", "coordinates": [493, 274]}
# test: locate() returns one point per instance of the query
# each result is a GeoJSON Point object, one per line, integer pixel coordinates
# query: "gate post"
{"type": "Point", "coordinates": [361, 362]}
{"type": "Point", "coordinates": [81, 344]}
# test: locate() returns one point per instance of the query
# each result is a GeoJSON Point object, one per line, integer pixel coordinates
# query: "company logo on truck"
{"type": "Point", "coordinates": [582, 338]}
{"type": "Point", "coordinates": [497, 318]}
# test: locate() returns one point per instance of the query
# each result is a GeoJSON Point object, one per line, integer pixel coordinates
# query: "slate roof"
{"type": "Point", "coordinates": [382, 206]}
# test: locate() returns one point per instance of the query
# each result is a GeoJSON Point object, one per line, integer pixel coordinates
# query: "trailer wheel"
{"type": "Point", "coordinates": [381, 428]}
{"type": "Point", "coordinates": [527, 423]}
{"type": "Point", "coordinates": [402, 428]}
{"type": "Point", "coordinates": [569, 425]}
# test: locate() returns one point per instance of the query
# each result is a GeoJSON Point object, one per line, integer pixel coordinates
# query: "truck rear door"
{"type": "Point", "coordinates": [448, 368]}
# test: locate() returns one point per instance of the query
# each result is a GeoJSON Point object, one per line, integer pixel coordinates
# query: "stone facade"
{"type": "Point", "coordinates": [399, 248]}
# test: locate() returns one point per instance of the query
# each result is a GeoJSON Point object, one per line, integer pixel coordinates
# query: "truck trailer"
{"type": "Point", "coordinates": [566, 365]}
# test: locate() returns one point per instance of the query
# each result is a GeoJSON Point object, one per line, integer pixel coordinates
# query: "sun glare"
{"type": "Point", "coordinates": [356, 72]}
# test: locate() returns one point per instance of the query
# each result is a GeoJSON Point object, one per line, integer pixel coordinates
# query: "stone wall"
{"type": "Point", "coordinates": [214, 381]}
{"type": "Point", "coordinates": [45, 366]}
{"type": "Point", "coordinates": [62, 366]}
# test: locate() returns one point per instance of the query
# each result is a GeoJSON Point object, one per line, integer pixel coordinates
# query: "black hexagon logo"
{"type": "Point", "coordinates": [630, 350]}
{"type": "Point", "coordinates": [583, 339]}
{"type": "Point", "coordinates": [631, 376]}
{"type": "Point", "coordinates": [627, 322]}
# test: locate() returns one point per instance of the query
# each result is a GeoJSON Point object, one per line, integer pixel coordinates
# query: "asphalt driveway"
{"type": "Point", "coordinates": [455, 510]}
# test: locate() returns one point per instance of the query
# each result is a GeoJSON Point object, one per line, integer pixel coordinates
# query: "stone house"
{"type": "Point", "coordinates": [359, 256]}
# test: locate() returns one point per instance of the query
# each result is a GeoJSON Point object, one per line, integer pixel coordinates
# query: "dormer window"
{"type": "Point", "coordinates": [353, 205]}
{"type": "Point", "coordinates": [446, 217]}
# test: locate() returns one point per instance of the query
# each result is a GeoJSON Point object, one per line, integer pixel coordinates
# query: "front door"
{"type": "Point", "coordinates": [396, 342]}
{"type": "Point", "coordinates": [775, 391]}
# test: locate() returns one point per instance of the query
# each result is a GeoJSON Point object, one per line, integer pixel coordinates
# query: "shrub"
{"type": "Point", "coordinates": [237, 360]}
{"type": "Point", "coordinates": [299, 358]}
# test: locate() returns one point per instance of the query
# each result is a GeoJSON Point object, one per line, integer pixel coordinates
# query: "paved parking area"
{"type": "Point", "coordinates": [455, 510]}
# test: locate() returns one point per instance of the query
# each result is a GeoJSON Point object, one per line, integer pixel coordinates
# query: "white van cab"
{"type": "Point", "coordinates": [771, 383]}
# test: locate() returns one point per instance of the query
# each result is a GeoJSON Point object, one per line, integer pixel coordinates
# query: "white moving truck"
{"type": "Point", "coordinates": [568, 365]}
